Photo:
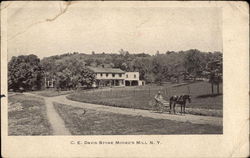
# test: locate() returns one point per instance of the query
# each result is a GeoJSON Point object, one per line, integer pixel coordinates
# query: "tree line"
{"type": "Point", "coordinates": [71, 69]}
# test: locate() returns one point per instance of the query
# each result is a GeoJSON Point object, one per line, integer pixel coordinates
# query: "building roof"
{"type": "Point", "coordinates": [105, 70]}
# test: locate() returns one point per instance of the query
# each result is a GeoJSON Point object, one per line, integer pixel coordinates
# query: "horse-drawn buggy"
{"type": "Point", "coordinates": [161, 105]}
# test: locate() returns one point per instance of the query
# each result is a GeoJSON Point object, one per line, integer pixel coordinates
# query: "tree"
{"type": "Point", "coordinates": [86, 77]}
{"type": "Point", "coordinates": [157, 53]}
{"type": "Point", "coordinates": [214, 69]}
{"type": "Point", "coordinates": [150, 77]}
{"type": "Point", "coordinates": [64, 79]}
{"type": "Point", "coordinates": [25, 72]}
{"type": "Point", "coordinates": [139, 65]}
{"type": "Point", "coordinates": [156, 68]}
{"type": "Point", "coordinates": [72, 71]}
{"type": "Point", "coordinates": [169, 52]}
{"type": "Point", "coordinates": [194, 62]}
{"type": "Point", "coordinates": [89, 61]}
{"type": "Point", "coordinates": [122, 52]}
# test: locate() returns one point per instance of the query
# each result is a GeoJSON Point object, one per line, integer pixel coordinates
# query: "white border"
{"type": "Point", "coordinates": [233, 143]}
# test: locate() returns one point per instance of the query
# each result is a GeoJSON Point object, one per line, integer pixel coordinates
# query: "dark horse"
{"type": "Point", "coordinates": [179, 100]}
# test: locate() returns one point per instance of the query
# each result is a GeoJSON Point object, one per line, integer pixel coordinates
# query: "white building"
{"type": "Point", "coordinates": [108, 77]}
{"type": "Point", "coordinates": [132, 79]}
{"type": "Point", "coordinates": [115, 77]}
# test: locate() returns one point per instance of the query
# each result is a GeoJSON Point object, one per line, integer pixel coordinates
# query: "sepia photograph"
{"type": "Point", "coordinates": [119, 73]}
{"type": "Point", "coordinates": [110, 73]}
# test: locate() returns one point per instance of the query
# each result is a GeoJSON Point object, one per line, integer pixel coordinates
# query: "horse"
{"type": "Point", "coordinates": [179, 100]}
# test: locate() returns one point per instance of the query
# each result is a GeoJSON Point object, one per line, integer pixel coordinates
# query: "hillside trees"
{"type": "Point", "coordinates": [170, 66]}
{"type": "Point", "coordinates": [167, 67]}
{"type": "Point", "coordinates": [69, 72]}
{"type": "Point", "coordinates": [25, 72]}
{"type": "Point", "coordinates": [194, 63]}
{"type": "Point", "coordinates": [141, 65]}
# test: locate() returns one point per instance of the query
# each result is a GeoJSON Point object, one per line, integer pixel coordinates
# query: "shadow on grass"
{"type": "Point", "coordinates": [208, 95]}
{"type": "Point", "coordinates": [186, 83]}
{"type": "Point", "coordinates": [181, 84]}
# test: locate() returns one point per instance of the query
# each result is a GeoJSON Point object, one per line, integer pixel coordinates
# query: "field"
{"type": "Point", "coordinates": [143, 97]}
{"type": "Point", "coordinates": [27, 116]}
{"type": "Point", "coordinates": [90, 122]}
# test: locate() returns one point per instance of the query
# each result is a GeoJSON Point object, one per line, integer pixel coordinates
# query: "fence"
{"type": "Point", "coordinates": [140, 92]}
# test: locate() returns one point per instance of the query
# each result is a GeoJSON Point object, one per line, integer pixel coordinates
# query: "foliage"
{"type": "Point", "coordinates": [194, 62]}
{"type": "Point", "coordinates": [86, 76]}
{"type": "Point", "coordinates": [25, 72]}
{"type": "Point", "coordinates": [69, 72]}
{"type": "Point", "coordinates": [214, 71]}
{"type": "Point", "coordinates": [69, 69]}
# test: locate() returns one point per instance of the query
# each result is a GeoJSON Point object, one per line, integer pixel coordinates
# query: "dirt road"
{"type": "Point", "coordinates": [55, 120]}
{"type": "Point", "coordinates": [59, 127]}
{"type": "Point", "coordinates": [196, 119]}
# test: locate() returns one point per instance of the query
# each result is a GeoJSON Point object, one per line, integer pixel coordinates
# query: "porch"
{"type": "Point", "coordinates": [109, 82]}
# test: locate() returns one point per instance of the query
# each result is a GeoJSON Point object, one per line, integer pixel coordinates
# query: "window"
{"type": "Point", "coordinates": [134, 76]}
{"type": "Point", "coordinates": [120, 75]}
{"type": "Point", "coordinates": [101, 75]}
{"type": "Point", "coordinates": [126, 76]}
{"type": "Point", "coordinates": [113, 75]}
{"type": "Point", "coordinates": [107, 75]}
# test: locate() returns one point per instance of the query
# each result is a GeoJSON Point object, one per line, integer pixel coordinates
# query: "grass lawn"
{"type": "Point", "coordinates": [90, 122]}
{"type": "Point", "coordinates": [143, 97]}
{"type": "Point", "coordinates": [27, 116]}
{"type": "Point", "coordinates": [51, 93]}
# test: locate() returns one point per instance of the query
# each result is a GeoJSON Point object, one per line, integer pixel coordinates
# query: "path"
{"type": "Point", "coordinates": [58, 124]}
{"type": "Point", "coordinates": [55, 120]}
{"type": "Point", "coordinates": [195, 119]}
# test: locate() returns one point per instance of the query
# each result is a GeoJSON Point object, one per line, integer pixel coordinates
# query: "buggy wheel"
{"type": "Point", "coordinates": [153, 105]}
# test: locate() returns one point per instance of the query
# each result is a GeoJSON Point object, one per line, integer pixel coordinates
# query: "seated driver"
{"type": "Point", "coordinates": [158, 97]}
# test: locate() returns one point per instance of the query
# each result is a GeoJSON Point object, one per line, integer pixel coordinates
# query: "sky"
{"type": "Point", "coordinates": [46, 29]}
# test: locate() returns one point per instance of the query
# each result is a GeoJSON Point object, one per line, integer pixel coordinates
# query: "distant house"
{"type": "Point", "coordinates": [115, 77]}
{"type": "Point", "coordinates": [108, 76]}
{"type": "Point", "coordinates": [49, 83]}
{"type": "Point", "coordinates": [132, 79]}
